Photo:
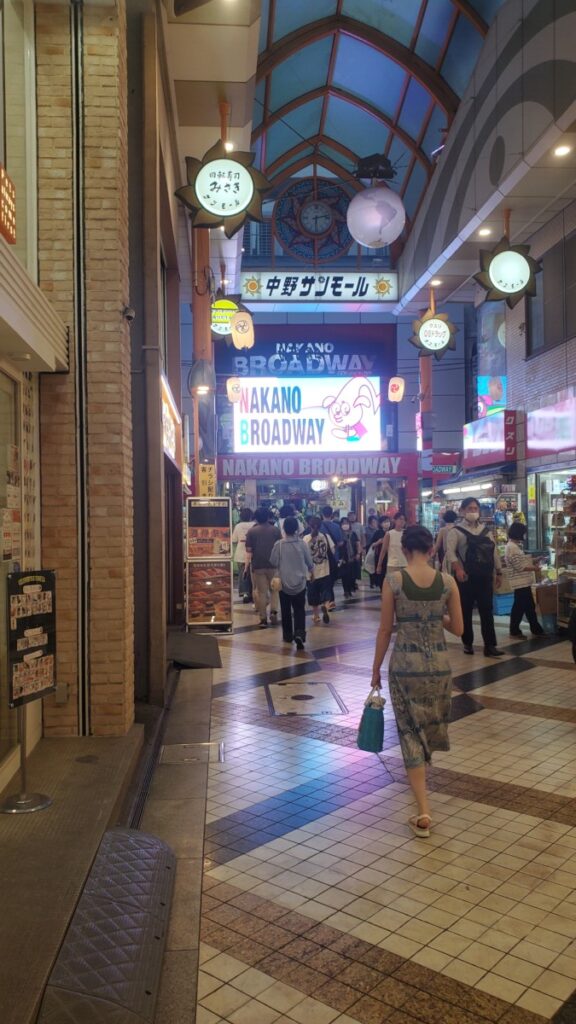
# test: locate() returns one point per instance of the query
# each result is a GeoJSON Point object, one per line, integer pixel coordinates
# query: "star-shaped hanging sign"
{"type": "Point", "coordinates": [508, 272]}
{"type": "Point", "coordinates": [434, 334]}
{"type": "Point", "coordinates": [223, 190]}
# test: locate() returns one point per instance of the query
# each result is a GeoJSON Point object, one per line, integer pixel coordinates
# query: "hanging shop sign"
{"type": "Point", "coordinates": [490, 440]}
{"type": "Point", "coordinates": [7, 207]}
{"type": "Point", "coordinates": [304, 286]}
{"type": "Point", "coordinates": [507, 272]}
{"type": "Point", "coordinates": [31, 635]}
{"type": "Point", "coordinates": [223, 190]}
{"type": "Point", "coordinates": [221, 312]}
{"type": "Point", "coordinates": [171, 426]}
{"type": "Point", "coordinates": [296, 414]}
{"type": "Point", "coordinates": [434, 334]}
{"type": "Point", "coordinates": [551, 429]}
{"type": "Point", "coordinates": [206, 479]}
{"type": "Point", "coordinates": [242, 329]}
{"type": "Point", "coordinates": [318, 467]}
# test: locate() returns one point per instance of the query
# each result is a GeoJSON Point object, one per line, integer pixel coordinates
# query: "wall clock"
{"type": "Point", "coordinates": [310, 220]}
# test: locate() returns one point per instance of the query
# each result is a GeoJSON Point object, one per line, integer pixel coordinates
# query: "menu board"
{"type": "Point", "coordinates": [31, 635]}
{"type": "Point", "coordinates": [209, 528]}
{"type": "Point", "coordinates": [209, 593]}
{"type": "Point", "coordinates": [209, 580]}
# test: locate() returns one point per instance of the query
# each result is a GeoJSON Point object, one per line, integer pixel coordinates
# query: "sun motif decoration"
{"type": "Point", "coordinates": [434, 334]}
{"type": "Point", "coordinates": [310, 220]}
{"type": "Point", "coordinates": [253, 286]}
{"type": "Point", "coordinates": [223, 191]}
{"type": "Point", "coordinates": [507, 272]}
{"type": "Point", "coordinates": [382, 287]}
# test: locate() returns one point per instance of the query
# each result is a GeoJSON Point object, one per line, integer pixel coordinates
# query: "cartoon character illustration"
{"type": "Point", "coordinates": [347, 409]}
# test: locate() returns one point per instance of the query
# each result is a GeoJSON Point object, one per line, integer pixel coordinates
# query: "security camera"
{"type": "Point", "coordinates": [129, 314]}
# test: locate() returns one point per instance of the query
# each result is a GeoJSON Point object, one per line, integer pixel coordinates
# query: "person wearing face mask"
{"type": "Point", "coordinates": [349, 552]}
{"type": "Point", "coordinates": [472, 558]}
{"type": "Point", "coordinates": [521, 567]}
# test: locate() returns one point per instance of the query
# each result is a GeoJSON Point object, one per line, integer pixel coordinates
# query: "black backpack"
{"type": "Point", "coordinates": [479, 557]}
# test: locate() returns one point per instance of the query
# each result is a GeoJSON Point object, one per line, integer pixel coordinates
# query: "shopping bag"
{"type": "Point", "coordinates": [371, 728]}
{"type": "Point", "coordinates": [370, 561]}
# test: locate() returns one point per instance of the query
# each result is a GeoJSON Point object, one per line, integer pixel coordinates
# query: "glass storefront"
{"type": "Point", "coordinates": [11, 538]}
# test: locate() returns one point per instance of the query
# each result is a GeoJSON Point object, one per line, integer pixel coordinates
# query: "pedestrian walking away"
{"type": "Point", "coordinates": [291, 557]}
{"type": "Point", "coordinates": [521, 575]}
{"type": "Point", "coordinates": [319, 588]}
{"type": "Point", "coordinates": [334, 531]}
{"type": "Point", "coordinates": [391, 552]}
{"type": "Point", "coordinates": [425, 602]}
{"type": "Point", "coordinates": [239, 539]}
{"type": "Point", "coordinates": [260, 540]}
{"type": "Point", "coordinates": [473, 559]}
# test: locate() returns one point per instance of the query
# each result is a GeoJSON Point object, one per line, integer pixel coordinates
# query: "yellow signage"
{"type": "Point", "coordinates": [206, 480]}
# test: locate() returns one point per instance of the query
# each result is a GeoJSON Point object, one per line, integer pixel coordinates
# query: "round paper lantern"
{"type": "Point", "coordinates": [376, 217]}
{"type": "Point", "coordinates": [242, 329]}
{"type": "Point", "coordinates": [233, 389]}
{"type": "Point", "coordinates": [396, 389]}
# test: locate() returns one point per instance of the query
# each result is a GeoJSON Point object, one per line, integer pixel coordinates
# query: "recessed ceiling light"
{"type": "Point", "coordinates": [435, 282]}
{"type": "Point", "coordinates": [228, 146]}
{"type": "Point", "coordinates": [562, 150]}
{"type": "Point", "coordinates": [484, 232]}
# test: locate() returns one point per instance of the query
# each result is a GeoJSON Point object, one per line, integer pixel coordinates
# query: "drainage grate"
{"type": "Point", "coordinates": [191, 753]}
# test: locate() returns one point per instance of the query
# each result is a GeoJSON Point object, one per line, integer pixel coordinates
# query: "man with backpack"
{"type": "Point", "coordinates": [471, 557]}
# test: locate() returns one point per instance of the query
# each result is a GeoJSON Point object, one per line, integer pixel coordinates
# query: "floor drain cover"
{"type": "Point", "coordinates": [304, 699]}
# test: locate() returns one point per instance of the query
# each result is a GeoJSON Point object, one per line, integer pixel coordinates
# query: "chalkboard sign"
{"type": "Point", "coordinates": [31, 635]}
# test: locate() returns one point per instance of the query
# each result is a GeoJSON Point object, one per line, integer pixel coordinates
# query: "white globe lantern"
{"type": "Point", "coordinates": [376, 217]}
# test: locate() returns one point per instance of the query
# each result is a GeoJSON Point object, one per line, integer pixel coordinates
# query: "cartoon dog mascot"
{"type": "Point", "coordinates": [346, 410]}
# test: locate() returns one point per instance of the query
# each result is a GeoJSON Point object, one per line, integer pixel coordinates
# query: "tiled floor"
{"type": "Point", "coordinates": [320, 907]}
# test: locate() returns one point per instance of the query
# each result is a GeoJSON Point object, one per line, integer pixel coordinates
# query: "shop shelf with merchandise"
{"type": "Point", "coordinates": [560, 538]}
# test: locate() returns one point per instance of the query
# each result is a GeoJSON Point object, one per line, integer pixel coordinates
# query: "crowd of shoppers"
{"type": "Point", "coordinates": [428, 586]}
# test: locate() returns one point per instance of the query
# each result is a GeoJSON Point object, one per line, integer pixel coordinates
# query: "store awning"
{"type": "Point", "coordinates": [32, 335]}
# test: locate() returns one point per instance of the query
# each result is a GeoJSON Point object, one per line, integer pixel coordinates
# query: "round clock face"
{"type": "Point", "coordinates": [316, 217]}
{"type": "Point", "coordinates": [310, 220]}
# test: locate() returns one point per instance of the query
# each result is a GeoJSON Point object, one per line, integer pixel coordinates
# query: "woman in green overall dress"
{"type": "Point", "coordinates": [426, 602]}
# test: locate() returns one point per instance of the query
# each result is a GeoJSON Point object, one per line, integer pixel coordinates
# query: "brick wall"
{"type": "Point", "coordinates": [57, 402]}
{"type": "Point", "coordinates": [109, 370]}
{"type": "Point", "coordinates": [108, 361]}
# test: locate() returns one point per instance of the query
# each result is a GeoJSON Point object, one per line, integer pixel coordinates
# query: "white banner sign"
{"type": "Point", "coordinates": [296, 414]}
{"type": "Point", "coordinates": [314, 286]}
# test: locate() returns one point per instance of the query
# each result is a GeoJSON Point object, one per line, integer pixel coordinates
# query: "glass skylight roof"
{"type": "Point", "coordinates": [341, 79]}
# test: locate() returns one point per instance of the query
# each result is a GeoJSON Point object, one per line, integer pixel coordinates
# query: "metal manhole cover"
{"type": "Point", "coordinates": [304, 699]}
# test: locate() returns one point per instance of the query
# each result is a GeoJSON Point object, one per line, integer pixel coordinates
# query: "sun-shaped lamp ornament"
{"type": "Point", "coordinates": [508, 272]}
{"type": "Point", "coordinates": [223, 190]}
{"type": "Point", "coordinates": [433, 334]}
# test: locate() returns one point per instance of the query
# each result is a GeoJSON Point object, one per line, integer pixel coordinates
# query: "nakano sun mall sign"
{"type": "Point", "coordinates": [325, 286]}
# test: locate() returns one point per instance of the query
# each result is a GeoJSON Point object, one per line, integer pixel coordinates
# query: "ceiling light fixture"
{"type": "Point", "coordinates": [562, 150]}
{"type": "Point", "coordinates": [228, 146]}
{"type": "Point", "coordinates": [435, 282]}
{"type": "Point", "coordinates": [484, 232]}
